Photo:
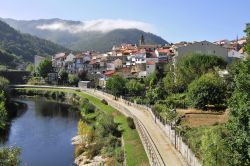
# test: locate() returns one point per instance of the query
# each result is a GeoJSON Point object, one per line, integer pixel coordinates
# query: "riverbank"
{"type": "Point", "coordinates": [134, 151]}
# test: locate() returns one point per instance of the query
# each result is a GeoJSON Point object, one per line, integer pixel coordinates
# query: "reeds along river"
{"type": "Point", "coordinates": [43, 131]}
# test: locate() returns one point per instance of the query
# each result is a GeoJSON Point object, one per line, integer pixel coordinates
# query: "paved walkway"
{"type": "Point", "coordinates": [169, 154]}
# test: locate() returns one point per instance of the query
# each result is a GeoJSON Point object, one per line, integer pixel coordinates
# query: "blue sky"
{"type": "Point", "coordinates": [174, 20]}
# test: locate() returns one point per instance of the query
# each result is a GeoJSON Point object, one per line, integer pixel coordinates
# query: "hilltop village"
{"type": "Point", "coordinates": [136, 61]}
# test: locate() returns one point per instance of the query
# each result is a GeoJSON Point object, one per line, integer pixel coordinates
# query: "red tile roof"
{"type": "Point", "coordinates": [150, 62]}
{"type": "Point", "coordinates": [164, 50]}
{"type": "Point", "coordinates": [110, 73]}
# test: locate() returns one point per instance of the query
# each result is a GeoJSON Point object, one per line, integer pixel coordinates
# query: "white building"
{"type": "Point", "coordinates": [235, 54]}
{"type": "Point", "coordinates": [203, 47]}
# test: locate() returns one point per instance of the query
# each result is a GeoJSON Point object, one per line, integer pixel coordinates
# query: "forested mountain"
{"type": "Point", "coordinates": [77, 35]}
{"type": "Point", "coordinates": [16, 47]}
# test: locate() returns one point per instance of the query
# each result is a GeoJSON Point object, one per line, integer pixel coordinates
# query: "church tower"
{"type": "Point", "coordinates": [141, 41]}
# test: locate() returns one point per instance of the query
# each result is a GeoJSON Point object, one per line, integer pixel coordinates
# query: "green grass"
{"type": "Point", "coordinates": [134, 150]}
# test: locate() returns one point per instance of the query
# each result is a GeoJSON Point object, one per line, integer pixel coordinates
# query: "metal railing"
{"type": "Point", "coordinates": [153, 153]}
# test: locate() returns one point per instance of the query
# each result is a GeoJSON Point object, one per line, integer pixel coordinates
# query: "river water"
{"type": "Point", "coordinates": [43, 131]}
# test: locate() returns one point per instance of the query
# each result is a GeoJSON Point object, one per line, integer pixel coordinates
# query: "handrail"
{"type": "Point", "coordinates": [151, 146]}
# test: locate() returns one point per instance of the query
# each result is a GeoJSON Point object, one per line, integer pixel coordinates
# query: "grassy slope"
{"type": "Point", "coordinates": [135, 153]}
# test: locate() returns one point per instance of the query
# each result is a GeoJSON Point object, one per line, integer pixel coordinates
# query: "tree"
{"type": "Point", "coordinates": [171, 84]}
{"type": "Point", "coordinates": [134, 87]}
{"type": "Point", "coordinates": [151, 80]}
{"type": "Point", "coordinates": [116, 84]}
{"type": "Point", "coordinates": [247, 31]}
{"type": "Point", "coordinates": [213, 146]}
{"type": "Point", "coordinates": [191, 67]}
{"type": "Point", "coordinates": [209, 89]}
{"type": "Point", "coordinates": [73, 80]}
{"type": "Point", "coordinates": [10, 156]}
{"type": "Point", "coordinates": [30, 67]}
{"type": "Point", "coordinates": [82, 75]}
{"type": "Point", "coordinates": [239, 120]}
{"type": "Point", "coordinates": [3, 84]}
{"type": "Point", "coordinates": [3, 112]}
{"type": "Point", "coordinates": [63, 76]}
{"type": "Point", "coordinates": [44, 68]}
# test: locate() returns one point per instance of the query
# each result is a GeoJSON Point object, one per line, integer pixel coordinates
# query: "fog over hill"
{"type": "Point", "coordinates": [99, 35]}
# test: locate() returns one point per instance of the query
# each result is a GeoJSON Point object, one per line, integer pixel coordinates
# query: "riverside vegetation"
{"type": "Point", "coordinates": [9, 156]}
{"type": "Point", "coordinates": [101, 129]}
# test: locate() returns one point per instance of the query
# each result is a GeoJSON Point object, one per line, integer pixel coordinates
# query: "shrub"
{"type": "Point", "coordinates": [119, 155]}
{"type": "Point", "coordinates": [175, 101]}
{"type": "Point", "coordinates": [36, 81]}
{"type": "Point", "coordinates": [131, 123]}
{"type": "Point", "coordinates": [79, 149]}
{"type": "Point", "coordinates": [9, 156]}
{"type": "Point", "coordinates": [73, 80]}
{"type": "Point", "coordinates": [94, 149]}
{"type": "Point", "coordinates": [165, 112]}
{"type": "Point", "coordinates": [88, 108]}
{"type": "Point", "coordinates": [104, 102]}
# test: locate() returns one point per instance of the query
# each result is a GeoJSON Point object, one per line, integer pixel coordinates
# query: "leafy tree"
{"type": "Point", "coordinates": [213, 146]}
{"type": "Point", "coordinates": [134, 87]}
{"type": "Point", "coordinates": [209, 89]}
{"type": "Point", "coordinates": [63, 76]}
{"type": "Point", "coordinates": [239, 121]}
{"type": "Point", "coordinates": [73, 80]}
{"type": "Point", "coordinates": [30, 67]}
{"type": "Point", "coordinates": [191, 67]}
{"type": "Point", "coordinates": [155, 94]}
{"type": "Point", "coordinates": [3, 84]}
{"type": "Point", "coordinates": [82, 75]}
{"type": "Point", "coordinates": [10, 156]}
{"type": "Point", "coordinates": [151, 80]}
{"type": "Point", "coordinates": [44, 68]}
{"type": "Point", "coordinates": [3, 112]}
{"type": "Point", "coordinates": [247, 31]}
{"type": "Point", "coordinates": [106, 125]}
{"type": "Point", "coordinates": [171, 84]}
{"type": "Point", "coordinates": [116, 84]}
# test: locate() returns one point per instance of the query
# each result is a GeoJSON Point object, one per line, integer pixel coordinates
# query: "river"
{"type": "Point", "coordinates": [43, 131]}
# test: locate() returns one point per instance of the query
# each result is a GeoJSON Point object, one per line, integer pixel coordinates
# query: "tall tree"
{"type": "Point", "coordinates": [247, 31]}
{"type": "Point", "coordinates": [3, 112]}
{"type": "Point", "coordinates": [191, 67]}
{"type": "Point", "coordinates": [116, 84]}
{"type": "Point", "coordinates": [239, 121]}
{"type": "Point", "coordinates": [134, 87]}
{"type": "Point", "coordinates": [44, 68]}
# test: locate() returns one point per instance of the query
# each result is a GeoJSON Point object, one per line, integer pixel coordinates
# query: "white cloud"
{"type": "Point", "coordinates": [102, 25]}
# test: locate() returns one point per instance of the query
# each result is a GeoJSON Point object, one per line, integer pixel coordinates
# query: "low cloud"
{"type": "Point", "coordinates": [102, 25]}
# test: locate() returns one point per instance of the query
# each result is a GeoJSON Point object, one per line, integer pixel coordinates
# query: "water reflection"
{"type": "Point", "coordinates": [44, 133]}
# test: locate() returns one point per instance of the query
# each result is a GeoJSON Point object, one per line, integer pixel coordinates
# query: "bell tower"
{"type": "Point", "coordinates": [141, 41]}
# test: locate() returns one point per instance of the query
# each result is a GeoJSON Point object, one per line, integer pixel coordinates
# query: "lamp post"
{"type": "Point", "coordinates": [174, 110]}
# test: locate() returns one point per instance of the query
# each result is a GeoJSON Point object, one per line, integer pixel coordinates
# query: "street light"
{"type": "Point", "coordinates": [174, 110]}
